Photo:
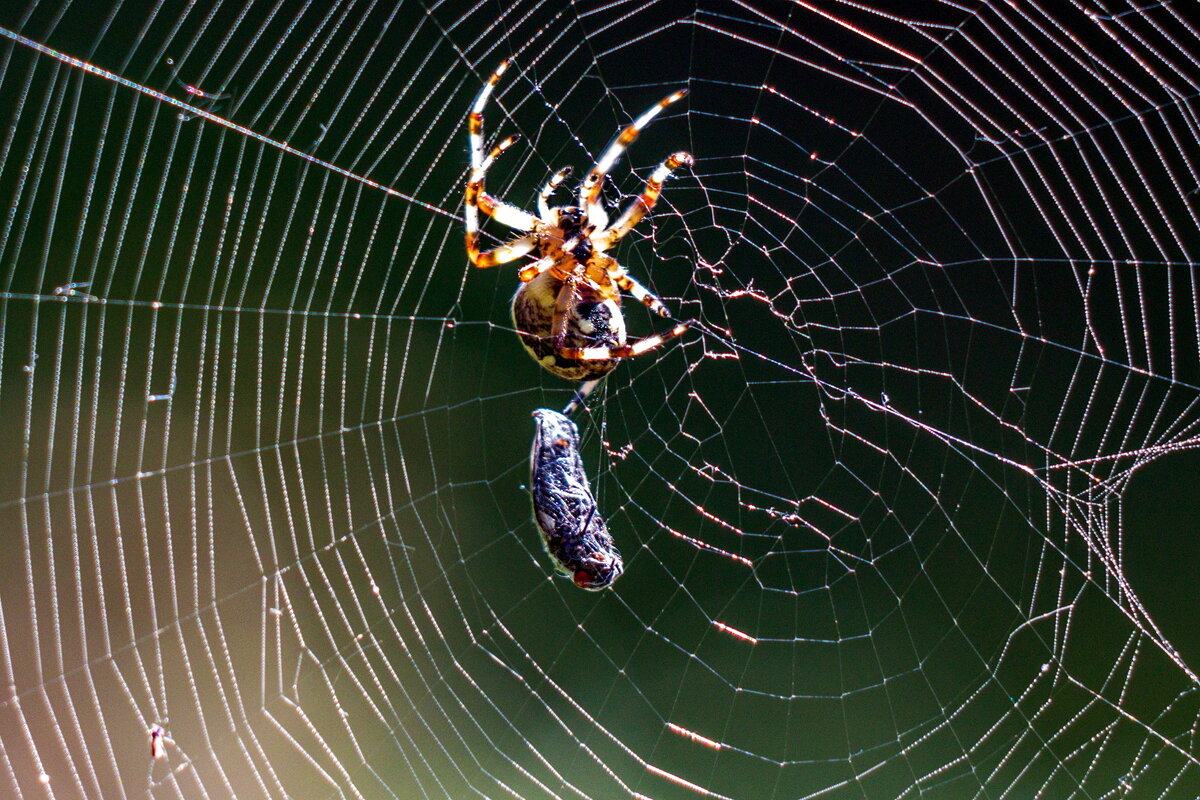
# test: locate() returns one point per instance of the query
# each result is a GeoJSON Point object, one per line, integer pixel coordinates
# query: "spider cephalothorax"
{"type": "Point", "coordinates": [567, 309]}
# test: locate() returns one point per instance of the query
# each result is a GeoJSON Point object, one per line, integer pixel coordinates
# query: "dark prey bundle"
{"type": "Point", "coordinates": [574, 533]}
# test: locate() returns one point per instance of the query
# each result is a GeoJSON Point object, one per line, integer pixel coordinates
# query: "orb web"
{"type": "Point", "coordinates": [882, 509]}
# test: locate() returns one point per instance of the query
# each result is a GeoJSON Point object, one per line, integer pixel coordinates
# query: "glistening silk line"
{"type": "Point", "coordinates": [194, 111]}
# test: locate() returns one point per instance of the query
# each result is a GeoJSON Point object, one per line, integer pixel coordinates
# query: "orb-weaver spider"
{"type": "Point", "coordinates": [567, 309]}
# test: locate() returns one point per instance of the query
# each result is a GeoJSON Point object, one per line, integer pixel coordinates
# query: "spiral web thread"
{"type": "Point", "coordinates": [266, 431]}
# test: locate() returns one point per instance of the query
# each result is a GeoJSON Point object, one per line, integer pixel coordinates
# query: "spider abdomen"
{"type": "Point", "coordinates": [590, 321]}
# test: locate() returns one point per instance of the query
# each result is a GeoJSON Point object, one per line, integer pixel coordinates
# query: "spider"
{"type": "Point", "coordinates": [567, 310]}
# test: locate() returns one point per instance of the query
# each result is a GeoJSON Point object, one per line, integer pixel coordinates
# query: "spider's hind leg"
{"type": "Point", "coordinates": [623, 351]}
{"type": "Point", "coordinates": [581, 394]}
{"type": "Point", "coordinates": [640, 293]}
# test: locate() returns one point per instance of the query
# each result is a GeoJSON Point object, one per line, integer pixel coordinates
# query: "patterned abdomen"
{"type": "Point", "coordinates": [591, 321]}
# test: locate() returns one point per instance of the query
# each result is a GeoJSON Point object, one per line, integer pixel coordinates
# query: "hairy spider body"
{"type": "Point", "coordinates": [567, 309]}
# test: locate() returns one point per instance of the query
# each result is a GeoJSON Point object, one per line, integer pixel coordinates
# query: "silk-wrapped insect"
{"type": "Point", "coordinates": [573, 532]}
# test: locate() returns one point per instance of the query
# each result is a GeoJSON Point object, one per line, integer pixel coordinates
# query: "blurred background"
{"type": "Point", "coordinates": [909, 512]}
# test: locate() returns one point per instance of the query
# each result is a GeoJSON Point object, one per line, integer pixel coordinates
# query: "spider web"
{"type": "Point", "coordinates": [905, 513]}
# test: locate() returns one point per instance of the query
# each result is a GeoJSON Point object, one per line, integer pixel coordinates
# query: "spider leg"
{"type": "Point", "coordinates": [475, 117]}
{"type": "Point", "coordinates": [638, 208]}
{"type": "Point", "coordinates": [624, 351]}
{"type": "Point", "coordinates": [507, 214]}
{"type": "Point", "coordinates": [479, 164]}
{"type": "Point", "coordinates": [531, 271]}
{"type": "Point", "coordinates": [640, 293]}
{"type": "Point", "coordinates": [502, 212]}
{"type": "Point", "coordinates": [477, 200]}
{"type": "Point", "coordinates": [543, 201]}
{"type": "Point", "coordinates": [509, 251]}
{"type": "Point", "coordinates": [589, 190]}
{"type": "Point", "coordinates": [581, 394]}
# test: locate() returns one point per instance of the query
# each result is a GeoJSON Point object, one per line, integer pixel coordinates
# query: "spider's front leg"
{"type": "Point", "coordinates": [477, 200]}
{"type": "Point", "coordinates": [643, 203]}
{"type": "Point", "coordinates": [543, 202]}
{"type": "Point", "coordinates": [589, 190]}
